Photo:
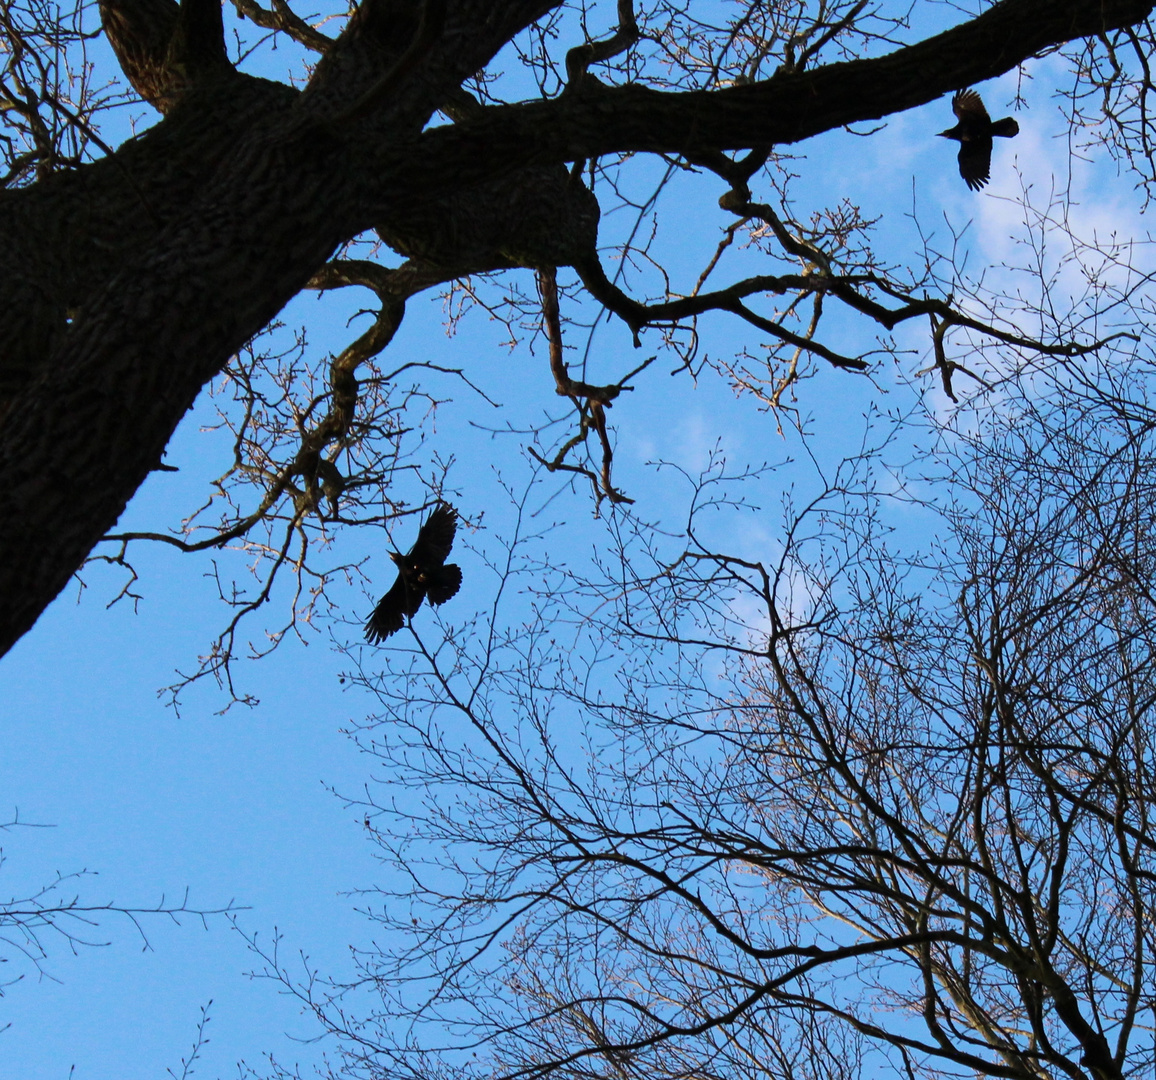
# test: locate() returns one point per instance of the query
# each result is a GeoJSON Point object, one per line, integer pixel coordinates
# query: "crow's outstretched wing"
{"type": "Point", "coordinates": [975, 162]}
{"type": "Point", "coordinates": [969, 108]}
{"type": "Point", "coordinates": [391, 611]}
{"type": "Point", "coordinates": [974, 138]}
{"type": "Point", "coordinates": [435, 538]}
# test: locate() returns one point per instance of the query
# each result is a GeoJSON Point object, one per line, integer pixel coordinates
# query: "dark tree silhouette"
{"type": "Point", "coordinates": [973, 132]}
{"type": "Point", "coordinates": [134, 276]}
{"type": "Point", "coordinates": [421, 575]}
{"type": "Point", "coordinates": [825, 810]}
{"type": "Point", "coordinates": [861, 801]}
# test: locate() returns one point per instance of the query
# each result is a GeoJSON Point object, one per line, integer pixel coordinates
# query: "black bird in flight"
{"type": "Point", "coordinates": [421, 575]}
{"type": "Point", "coordinates": [973, 132]}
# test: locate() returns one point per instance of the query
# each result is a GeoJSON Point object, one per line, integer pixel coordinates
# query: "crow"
{"type": "Point", "coordinates": [973, 132]}
{"type": "Point", "coordinates": [422, 575]}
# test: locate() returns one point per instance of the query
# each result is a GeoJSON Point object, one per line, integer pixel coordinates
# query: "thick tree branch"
{"type": "Point", "coordinates": [166, 49]}
{"type": "Point", "coordinates": [282, 17]}
{"type": "Point", "coordinates": [783, 110]}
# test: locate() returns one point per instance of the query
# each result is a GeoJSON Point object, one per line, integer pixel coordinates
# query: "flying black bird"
{"type": "Point", "coordinates": [421, 575]}
{"type": "Point", "coordinates": [973, 132]}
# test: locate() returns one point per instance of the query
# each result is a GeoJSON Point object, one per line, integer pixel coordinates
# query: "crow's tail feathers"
{"type": "Point", "coordinates": [443, 583]}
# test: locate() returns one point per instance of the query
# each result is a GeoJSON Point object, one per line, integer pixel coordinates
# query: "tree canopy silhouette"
{"type": "Point", "coordinates": [849, 803]}
{"type": "Point", "coordinates": [133, 276]}
{"type": "Point", "coordinates": [827, 807]}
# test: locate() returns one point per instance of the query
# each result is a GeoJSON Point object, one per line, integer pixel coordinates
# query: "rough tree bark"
{"type": "Point", "coordinates": [128, 283]}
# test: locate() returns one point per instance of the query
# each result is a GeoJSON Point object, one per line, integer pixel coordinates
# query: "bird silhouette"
{"type": "Point", "coordinates": [973, 131]}
{"type": "Point", "coordinates": [421, 575]}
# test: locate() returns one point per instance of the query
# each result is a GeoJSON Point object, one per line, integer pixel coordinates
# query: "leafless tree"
{"type": "Point", "coordinates": [881, 804]}
{"type": "Point", "coordinates": [399, 155]}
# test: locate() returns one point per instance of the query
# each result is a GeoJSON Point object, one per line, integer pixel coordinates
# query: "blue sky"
{"type": "Point", "coordinates": [239, 807]}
